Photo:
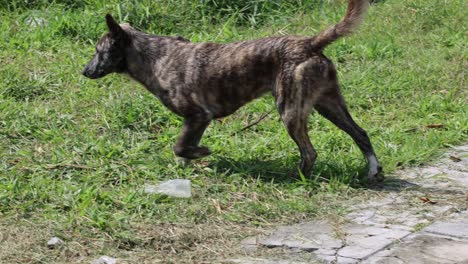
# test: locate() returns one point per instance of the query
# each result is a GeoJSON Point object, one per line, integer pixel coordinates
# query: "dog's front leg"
{"type": "Point", "coordinates": [187, 143]}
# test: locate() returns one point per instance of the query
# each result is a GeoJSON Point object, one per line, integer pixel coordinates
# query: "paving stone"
{"type": "Point", "coordinates": [386, 260]}
{"type": "Point", "coordinates": [361, 246]}
{"type": "Point", "coordinates": [327, 252]}
{"type": "Point", "coordinates": [444, 174]}
{"type": "Point", "coordinates": [436, 211]}
{"type": "Point", "coordinates": [372, 242]}
{"type": "Point", "coordinates": [378, 202]}
{"type": "Point", "coordinates": [367, 217]}
{"type": "Point", "coordinates": [461, 166]}
{"type": "Point", "coordinates": [463, 148]}
{"type": "Point", "coordinates": [264, 261]}
{"type": "Point", "coordinates": [456, 229]}
{"type": "Point", "coordinates": [429, 172]}
{"type": "Point", "coordinates": [355, 252]}
{"type": "Point", "coordinates": [250, 244]}
{"type": "Point", "coordinates": [326, 258]}
{"type": "Point", "coordinates": [311, 241]}
{"type": "Point", "coordinates": [410, 220]}
{"type": "Point", "coordinates": [376, 224]}
{"type": "Point", "coordinates": [307, 236]}
{"type": "Point", "coordinates": [342, 260]}
{"type": "Point", "coordinates": [460, 178]}
{"type": "Point", "coordinates": [389, 231]}
{"type": "Point", "coordinates": [424, 248]}
{"type": "Point", "coordinates": [399, 215]}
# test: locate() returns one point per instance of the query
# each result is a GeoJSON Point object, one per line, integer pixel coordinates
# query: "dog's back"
{"type": "Point", "coordinates": [226, 76]}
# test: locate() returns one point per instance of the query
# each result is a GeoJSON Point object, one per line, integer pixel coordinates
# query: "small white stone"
{"type": "Point", "coordinates": [54, 242]}
{"type": "Point", "coordinates": [105, 260]}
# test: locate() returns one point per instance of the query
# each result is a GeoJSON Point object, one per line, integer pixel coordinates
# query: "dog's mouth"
{"type": "Point", "coordinates": [93, 75]}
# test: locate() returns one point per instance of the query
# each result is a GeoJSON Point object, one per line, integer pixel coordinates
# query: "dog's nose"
{"type": "Point", "coordinates": [85, 73]}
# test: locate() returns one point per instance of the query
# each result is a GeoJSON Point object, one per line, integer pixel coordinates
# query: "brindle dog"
{"type": "Point", "coordinates": [203, 81]}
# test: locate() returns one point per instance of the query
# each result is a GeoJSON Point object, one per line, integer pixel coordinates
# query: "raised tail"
{"type": "Point", "coordinates": [352, 19]}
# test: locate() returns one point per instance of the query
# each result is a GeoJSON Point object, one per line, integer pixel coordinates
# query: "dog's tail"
{"type": "Point", "coordinates": [354, 15]}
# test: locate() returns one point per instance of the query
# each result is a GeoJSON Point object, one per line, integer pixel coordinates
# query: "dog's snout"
{"type": "Point", "coordinates": [91, 74]}
{"type": "Point", "coordinates": [88, 74]}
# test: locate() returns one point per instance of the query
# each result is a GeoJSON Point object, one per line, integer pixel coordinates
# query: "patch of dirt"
{"type": "Point", "coordinates": [25, 242]}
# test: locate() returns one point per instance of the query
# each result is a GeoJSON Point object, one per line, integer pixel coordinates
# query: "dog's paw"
{"type": "Point", "coordinates": [183, 162]}
{"type": "Point", "coordinates": [200, 152]}
{"type": "Point", "coordinates": [192, 152]}
{"type": "Point", "coordinates": [375, 176]}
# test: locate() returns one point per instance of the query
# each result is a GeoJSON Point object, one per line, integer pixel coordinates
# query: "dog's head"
{"type": "Point", "coordinates": [110, 52]}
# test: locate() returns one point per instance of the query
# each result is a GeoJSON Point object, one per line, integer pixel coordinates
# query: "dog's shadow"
{"type": "Point", "coordinates": [285, 171]}
{"type": "Point", "coordinates": [265, 170]}
{"type": "Point", "coordinates": [279, 171]}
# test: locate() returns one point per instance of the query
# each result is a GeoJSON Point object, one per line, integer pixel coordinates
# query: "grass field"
{"type": "Point", "coordinates": [76, 153]}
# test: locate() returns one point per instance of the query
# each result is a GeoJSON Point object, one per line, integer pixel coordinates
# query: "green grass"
{"type": "Point", "coordinates": [75, 153]}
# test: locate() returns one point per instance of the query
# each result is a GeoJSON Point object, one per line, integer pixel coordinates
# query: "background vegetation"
{"type": "Point", "coordinates": [76, 153]}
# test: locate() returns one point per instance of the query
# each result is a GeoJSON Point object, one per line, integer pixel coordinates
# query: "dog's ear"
{"type": "Point", "coordinates": [116, 31]}
{"type": "Point", "coordinates": [113, 26]}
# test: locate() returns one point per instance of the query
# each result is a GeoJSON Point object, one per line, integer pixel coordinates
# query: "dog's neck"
{"type": "Point", "coordinates": [142, 56]}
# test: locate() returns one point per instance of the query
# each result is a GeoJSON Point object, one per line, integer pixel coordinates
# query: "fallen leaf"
{"type": "Point", "coordinates": [410, 130]}
{"type": "Point", "coordinates": [217, 205]}
{"type": "Point", "coordinates": [427, 200]}
{"type": "Point", "coordinates": [412, 10]}
{"type": "Point", "coordinates": [455, 158]}
{"type": "Point", "coordinates": [435, 126]}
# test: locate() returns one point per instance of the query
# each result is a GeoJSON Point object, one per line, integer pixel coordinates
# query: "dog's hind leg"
{"type": "Point", "coordinates": [332, 106]}
{"type": "Point", "coordinates": [296, 124]}
{"type": "Point", "coordinates": [294, 109]}
{"type": "Point", "coordinates": [190, 136]}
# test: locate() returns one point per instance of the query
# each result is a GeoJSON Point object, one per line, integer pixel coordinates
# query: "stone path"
{"type": "Point", "coordinates": [418, 217]}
